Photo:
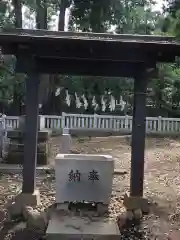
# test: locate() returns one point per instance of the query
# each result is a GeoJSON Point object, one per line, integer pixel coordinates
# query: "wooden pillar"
{"type": "Point", "coordinates": [138, 135]}
{"type": "Point", "coordinates": [31, 129]}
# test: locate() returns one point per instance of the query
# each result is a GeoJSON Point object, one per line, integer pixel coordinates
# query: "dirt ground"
{"type": "Point", "coordinates": [162, 177]}
{"type": "Point", "coordinates": [161, 184]}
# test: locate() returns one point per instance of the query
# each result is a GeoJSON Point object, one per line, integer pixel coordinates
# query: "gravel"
{"type": "Point", "coordinates": [161, 187]}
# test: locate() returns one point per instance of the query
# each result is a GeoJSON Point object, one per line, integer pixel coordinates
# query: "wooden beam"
{"type": "Point", "coordinates": [94, 51]}
{"type": "Point", "coordinates": [89, 47]}
{"type": "Point", "coordinates": [138, 134]}
{"type": "Point", "coordinates": [42, 32]}
{"type": "Point", "coordinates": [82, 67]}
{"type": "Point", "coordinates": [31, 128]}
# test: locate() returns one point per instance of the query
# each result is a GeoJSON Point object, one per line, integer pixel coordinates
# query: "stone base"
{"type": "Point", "coordinates": [43, 147]}
{"type": "Point", "coordinates": [72, 228]}
{"type": "Point", "coordinates": [18, 135]}
{"type": "Point", "coordinates": [28, 199]}
{"type": "Point", "coordinates": [134, 203]}
{"type": "Point", "coordinates": [18, 158]}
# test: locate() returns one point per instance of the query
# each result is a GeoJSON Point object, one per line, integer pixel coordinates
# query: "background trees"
{"type": "Point", "coordinates": [60, 93]}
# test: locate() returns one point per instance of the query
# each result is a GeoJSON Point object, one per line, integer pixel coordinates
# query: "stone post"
{"type": "Point", "coordinates": [66, 141]}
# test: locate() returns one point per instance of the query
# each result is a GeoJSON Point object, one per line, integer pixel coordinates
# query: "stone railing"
{"type": "Point", "coordinates": [99, 122]}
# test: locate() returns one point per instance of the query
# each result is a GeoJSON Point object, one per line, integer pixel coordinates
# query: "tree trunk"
{"type": "Point", "coordinates": [50, 104]}
{"type": "Point", "coordinates": [41, 14]}
{"type": "Point", "coordinates": [62, 11]}
{"type": "Point", "coordinates": [17, 100]}
{"type": "Point", "coordinates": [18, 13]}
{"type": "Point", "coordinates": [41, 23]}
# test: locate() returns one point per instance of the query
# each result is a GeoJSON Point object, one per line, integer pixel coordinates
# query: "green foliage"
{"type": "Point", "coordinates": [172, 20]}
{"type": "Point", "coordinates": [134, 16]}
{"type": "Point", "coordinates": [6, 14]}
{"type": "Point", "coordinates": [91, 16]}
{"type": "Point", "coordinates": [120, 16]}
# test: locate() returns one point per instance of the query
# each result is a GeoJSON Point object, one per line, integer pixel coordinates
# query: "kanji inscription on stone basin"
{"type": "Point", "coordinates": [83, 177]}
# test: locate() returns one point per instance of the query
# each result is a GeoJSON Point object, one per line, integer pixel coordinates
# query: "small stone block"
{"type": "Point", "coordinates": [133, 203]}
{"type": "Point", "coordinates": [65, 131]}
{"type": "Point", "coordinates": [102, 208]}
{"type": "Point", "coordinates": [18, 135]}
{"type": "Point", "coordinates": [14, 157]}
{"type": "Point", "coordinates": [77, 228]}
{"type": "Point", "coordinates": [37, 221]}
{"type": "Point", "coordinates": [63, 206]}
{"type": "Point", "coordinates": [130, 215]}
{"type": "Point", "coordinates": [138, 214]}
{"type": "Point", "coordinates": [28, 199]}
{"type": "Point", "coordinates": [14, 210]}
{"type": "Point", "coordinates": [121, 220]}
{"type": "Point", "coordinates": [84, 177]}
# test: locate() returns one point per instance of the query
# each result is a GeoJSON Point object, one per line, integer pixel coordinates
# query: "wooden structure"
{"type": "Point", "coordinates": [40, 52]}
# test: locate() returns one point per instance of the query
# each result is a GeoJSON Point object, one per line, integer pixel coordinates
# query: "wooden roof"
{"type": "Point", "coordinates": [87, 49]}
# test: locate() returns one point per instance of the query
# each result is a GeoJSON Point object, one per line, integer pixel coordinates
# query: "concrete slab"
{"type": "Point", "coordinates": [81, 228]}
